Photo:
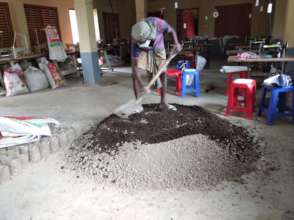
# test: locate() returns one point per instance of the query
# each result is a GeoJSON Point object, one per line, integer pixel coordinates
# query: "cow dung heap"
{"type": "Point", "coordinates": [182, 149]}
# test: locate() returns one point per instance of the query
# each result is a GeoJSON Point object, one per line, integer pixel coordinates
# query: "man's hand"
{"type": "Point", "coordinates": [147, 90]}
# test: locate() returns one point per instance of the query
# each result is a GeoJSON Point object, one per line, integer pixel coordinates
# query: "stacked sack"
{"type": "Point", "coordinates": [14, 81]}
{"type": "Point", "coordinates": [17, 81]}
{"type": "Point", "coordinates": [51, 71]}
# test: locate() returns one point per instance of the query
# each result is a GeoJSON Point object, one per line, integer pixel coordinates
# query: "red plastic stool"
{"type": "Point", "coordinates": [178, 74]}
{"type": "Point", "coordinates": [243, 72]}
{"type": "Point", "coordinates": [241, 97]}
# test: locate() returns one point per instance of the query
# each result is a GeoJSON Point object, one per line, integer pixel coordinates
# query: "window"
{"type": "Point", "coordinates": [6, 31]}
{"type": "Point", "coordinates": [96, 24]}
{"type": "Point", "coordinates": [75, 29]}
{"type": "Point", "coordinates": [38, 17]}
{"type": "Point", "coordinates": [74, 26]}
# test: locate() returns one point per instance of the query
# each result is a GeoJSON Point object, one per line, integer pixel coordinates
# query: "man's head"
{"type": "Point", "coordinates": [143, 33]}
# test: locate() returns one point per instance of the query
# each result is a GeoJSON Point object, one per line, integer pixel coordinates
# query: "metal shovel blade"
{"type": "Point", "coordinates": [135, 105]}
{"type": "Point", "coordinates": [132, 107]}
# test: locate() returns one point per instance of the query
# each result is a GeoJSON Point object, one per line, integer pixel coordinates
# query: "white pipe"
{"type": "Point", "coordinates": [26, 46]}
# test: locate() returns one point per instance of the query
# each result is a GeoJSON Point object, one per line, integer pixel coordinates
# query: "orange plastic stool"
{"type": "Point", "coordinates": [241, 97]}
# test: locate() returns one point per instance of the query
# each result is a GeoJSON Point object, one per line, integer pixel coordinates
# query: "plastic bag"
{"type": "Point", "coordinates": [25, 65]}
{"type": "Point", "coordinates": [14, 81]}
{"type": "Point", "coordinates": [55, 45]}
{"type": "Point", "coordinates": [50, 69]}
{"type": "Point", "coordinates": [23, 130]}
{"type": "Point", "coordinates": [36, 79]}
{"type": "Point", "coordinates": [278, 80]}
{"type": "Point", "coordinates": [247, 55]}
{"type": "Point", "coordinates": [67, 67]}
{"type": "Point", "coordinates": [200, 63]}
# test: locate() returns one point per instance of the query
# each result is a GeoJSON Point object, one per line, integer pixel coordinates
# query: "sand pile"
{"type": "Point", "coordinates": [160, 150]}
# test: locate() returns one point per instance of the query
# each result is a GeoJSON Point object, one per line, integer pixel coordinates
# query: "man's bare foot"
{"type": "Point", "coordinates": [147, 90]}
{"type": "Point", "coordinates": [165, 107]}
{"type": "Point", "coordinates": [144, 91]}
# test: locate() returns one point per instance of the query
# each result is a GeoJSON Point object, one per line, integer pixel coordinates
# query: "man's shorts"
{"type": "Point", "coordinates": [151, 62]}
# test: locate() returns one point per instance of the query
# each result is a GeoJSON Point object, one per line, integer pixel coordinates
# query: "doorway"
{"type": "Point", "coordinates": [187, 23]}
{"type": "Point", "coordinates": [233, 20]}
{"type": "Point", "coordinates": [111, 26]}
{"type": "Point", "coordinates": [157, 14]}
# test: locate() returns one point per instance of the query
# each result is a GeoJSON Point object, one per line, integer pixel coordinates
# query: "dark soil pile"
{"type": "Point", "coordinates": [155, 126]}
{"type": "Point", "coordinates": [187, 148]}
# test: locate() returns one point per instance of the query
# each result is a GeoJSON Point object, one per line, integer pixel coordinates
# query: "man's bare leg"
{"type": "Point", "coordinates": [163, 89]}
{"type": "Point", "coordinates": [135, 86]}
{"type": "Point", "coordinates": [163, 104]}
{"type": "Point", "coordinates": [138, 85]}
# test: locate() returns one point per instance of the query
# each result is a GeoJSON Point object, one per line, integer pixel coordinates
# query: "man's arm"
{"type": "Point", "coordinates": [172, 31]}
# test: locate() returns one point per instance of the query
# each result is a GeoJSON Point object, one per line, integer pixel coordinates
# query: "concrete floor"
{"type": "Point", "coordinates": [44, 191]}
{"type": "Point", "coordinates": [78, 102]}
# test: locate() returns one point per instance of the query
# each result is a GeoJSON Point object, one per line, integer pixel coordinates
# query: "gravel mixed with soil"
{"type": "Point", "coordinates": [182, 149]}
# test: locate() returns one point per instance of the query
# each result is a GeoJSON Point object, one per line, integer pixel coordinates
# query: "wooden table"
{"type": "Point", "coordinates": [73, 55]}
{"type": "Point", "coordinates": [235, 59]}
{"type": "Point", "coordinates": [21, 58]}
{"type": "Point", "coordinates": [33, 56]}
{"type": "Point", "coordinates": [282, 60]}
{"type": "Point", "coordinates": [235, 52]}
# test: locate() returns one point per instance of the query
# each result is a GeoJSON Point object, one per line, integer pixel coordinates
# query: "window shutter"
{"type": "Point", "coordinates": [38, 17]}
{"type": "Point", "coordinates": [6, 37]}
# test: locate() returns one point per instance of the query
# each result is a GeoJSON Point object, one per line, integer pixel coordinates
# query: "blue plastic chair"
{"type": "Point", "coordinates": [276, 106]}
{"type": "Point", "coordinates": [195, 85]}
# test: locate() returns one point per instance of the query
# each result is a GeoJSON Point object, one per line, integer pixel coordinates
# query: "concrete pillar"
{"type": "Point", "coordinates": [280, 19]}
{"type": "Point", "coordinates": [289, 31]}
{"type": "Point", "coordinates": [88, 46]}
{"type": "Point", "coordinates": [141, 9]}
{"type": "Point", "coordinates": [283, 21]}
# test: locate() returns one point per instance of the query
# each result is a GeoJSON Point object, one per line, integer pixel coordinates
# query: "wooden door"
{"type": "Point", "coordinates": [233, 20]}
{"type": "Point", "coordinates": [180, 29]}
{"type": "Point", "coordinates": [157, 14]}
{"type": "Point", "coordinates": [187, 23]}
{"type": "Point", "coordinates": [188, 20]}
{"type": "Point", "coordinates": [111, 26]}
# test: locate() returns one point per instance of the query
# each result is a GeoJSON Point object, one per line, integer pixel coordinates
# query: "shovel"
{"type": "Point", "coordinates": [135, 105]}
